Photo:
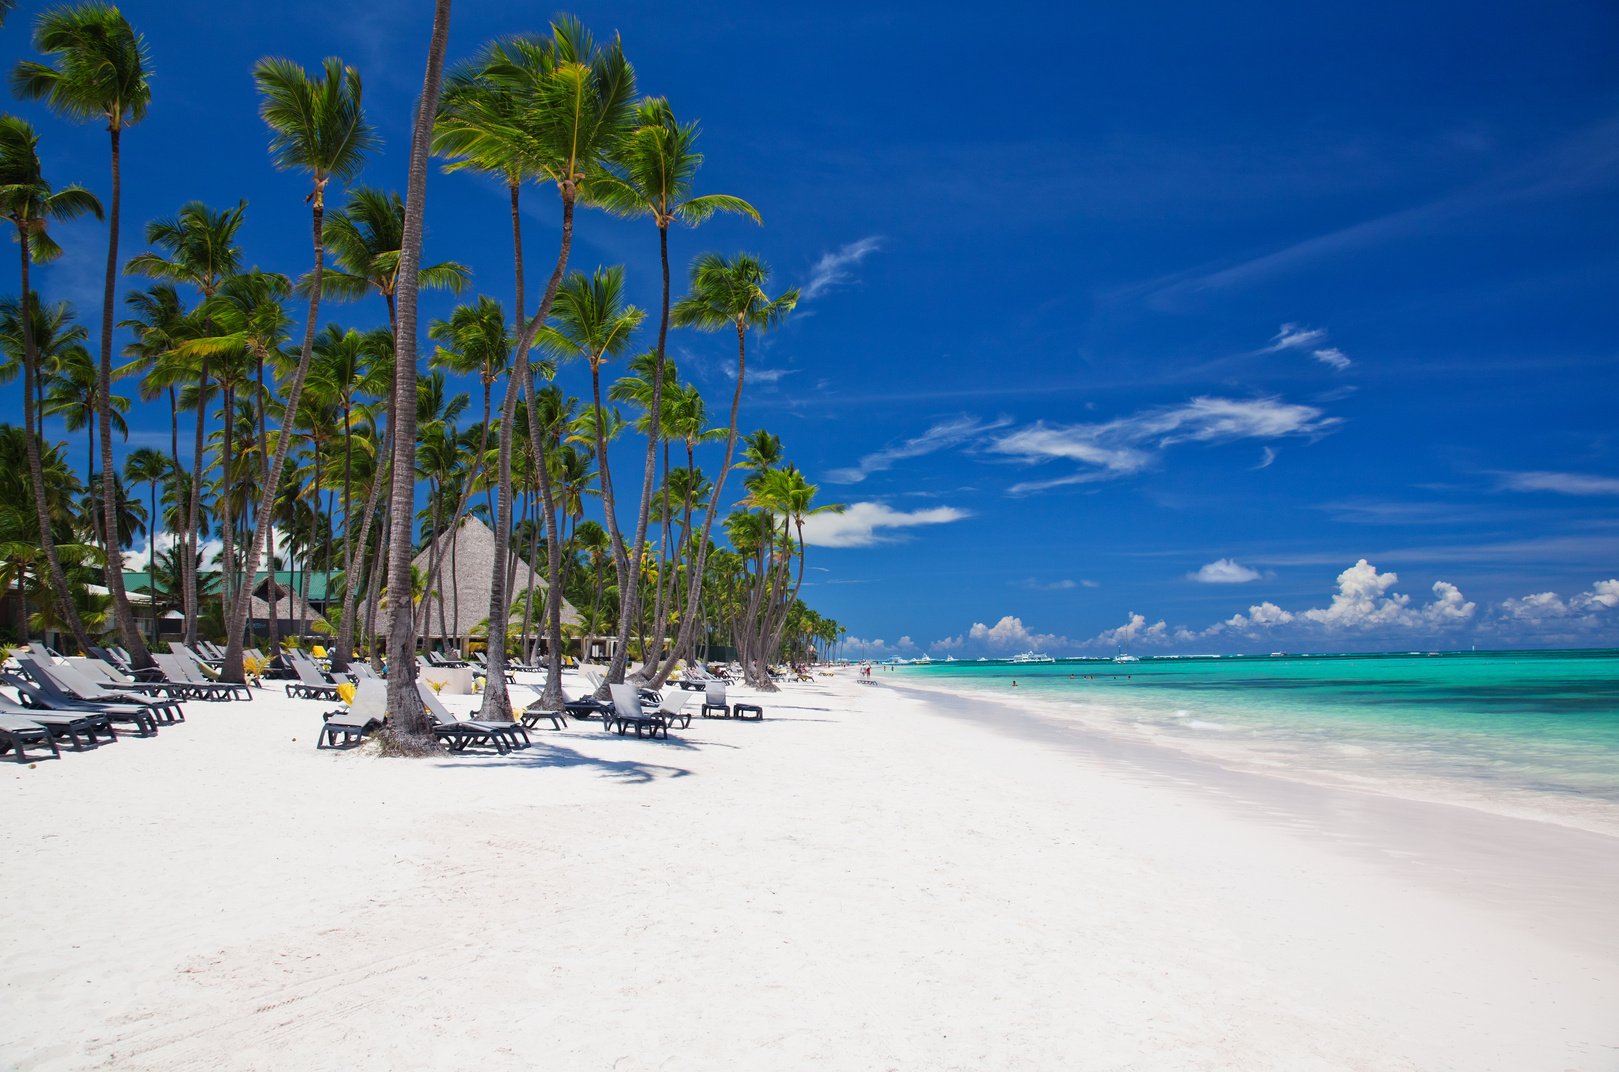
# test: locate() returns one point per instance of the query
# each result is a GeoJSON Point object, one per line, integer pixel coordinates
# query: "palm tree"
{"type": "Point", "coordinates": [725, 294]}
{"type": "Point", "coordinates": [407, 731]}
{"type": "Point", "coordinates": [197, 247]}
{"type": "Point", "coordinates": [100, 75]}
{"type": "Point", "coordinates": [553, 109]}
{"type": "Point", "coordinates": [594, 322]}
{"type": "Point", "coordinates": [316, 125]}
{"type": "Point", "coordinates": [247, 325]}
{"type": "Point", "coordinates": [149, 466]}
{"type": "Point", "coordinates": [655, 167]}
{"type": "Point", "coordinates": [28, 200]}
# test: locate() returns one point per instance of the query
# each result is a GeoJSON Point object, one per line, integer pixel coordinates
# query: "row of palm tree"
{"type": "Point", "coordinates": [288, 416]}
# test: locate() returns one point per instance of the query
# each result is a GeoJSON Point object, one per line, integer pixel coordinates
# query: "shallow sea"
{"type": "Point", "coordinates": [1538, 726]}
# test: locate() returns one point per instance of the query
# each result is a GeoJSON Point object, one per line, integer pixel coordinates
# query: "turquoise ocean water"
{"type": "Point", "coordinates": [1528, 724]}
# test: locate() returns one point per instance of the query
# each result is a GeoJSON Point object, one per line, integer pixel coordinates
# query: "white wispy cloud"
{"type": "Point", "coordinates": [1224, 571]}
{"type": "Point", "coordinates": [1266, 459]}
{"type": "Point", "coordinates": [1051, 586]}
{"type": "Point", "coordinates": [1561, 483]}
{"type": "Point", "coordinates": [1128, 445]}
{"type": "Point", "coordinates": [1295, 337]}
{"type": "Point", "coordinates": [837, 267]}
{"type": "Point", "coordinates": [941, 436]}
{"type": "Point", "coordinates": [1332, 356]}
{"type": "Point", "coordinates": [863, 524]}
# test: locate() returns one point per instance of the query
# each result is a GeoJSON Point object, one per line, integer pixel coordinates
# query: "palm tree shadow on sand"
{"type": "Point", "coordinates": [545, 754]}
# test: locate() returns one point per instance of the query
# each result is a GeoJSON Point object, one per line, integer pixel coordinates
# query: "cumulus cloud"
{"type": "Point", "coordinates": [1135, 630]}
{"type": "Point", "coordinates": [866, 523]}
{"type": "Point", "coordinates": [837, 267]}
{"type": "Point", "coordinates": [1128, 445]}
{"type": "Point", "coordinates": [1295, 337]}
{"type": "Point", "coordinates": [1561, 483]}
{"type": "Point", "coordinates": [1224, 571]}
{"type": "Point", "coordinates": [940, 436]}
{"type": "Point", "coordinates": [1004, 635]}
{"type": "Point", "coordinates": [1333, 357]}
{"type": "Point", "coordinates": [1051, 586]}
{"type": "Point", "coordinates": [1265, 615]}
{"type": "Point", "coordinates": [1546, 607]}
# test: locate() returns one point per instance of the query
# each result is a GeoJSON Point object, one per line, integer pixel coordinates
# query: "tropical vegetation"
{"type": "Point", "coordinates": [315, 442]}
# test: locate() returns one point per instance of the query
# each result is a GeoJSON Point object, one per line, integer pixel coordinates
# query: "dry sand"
{"type": "Point", "coordinates": [862, 881]}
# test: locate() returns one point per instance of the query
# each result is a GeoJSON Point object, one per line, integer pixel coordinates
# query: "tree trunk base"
{"type": "Point", "coordinates": [407, 745]}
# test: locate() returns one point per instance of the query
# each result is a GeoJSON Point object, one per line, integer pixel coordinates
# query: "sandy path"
{"type": "Point", "coordinates": [856, 883]}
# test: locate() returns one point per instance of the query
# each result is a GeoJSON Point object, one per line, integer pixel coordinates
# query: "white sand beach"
{"type": "Point", "coordinates": [864, 880]}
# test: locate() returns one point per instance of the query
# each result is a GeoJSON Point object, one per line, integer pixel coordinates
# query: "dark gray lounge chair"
{"type": "Point", "coordinates": [310, 684]}
{"type": "Point", "coordinates": [81, 728]}
{"type": "Point", "coordinates": [458, 733]}
{"type": "Point", "coordinates": [70, 720]}
{"type": "Point", "coordinates": [628, 714]}
{"type": "Point", "coordinates": [181, 666]}
{"type": "Point", "coordinates": [39, 691]}
{"type": "Point", "coordinates": [84, 688]}
{"type": "Point", "coordinates": [17, 732]}
{"type": "Point", "coordinates": [365, 715]}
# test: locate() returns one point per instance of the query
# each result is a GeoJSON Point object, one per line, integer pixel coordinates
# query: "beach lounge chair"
{"type": "Point", "coordinates": [674, 710]}
{"type": "Point", "coordinates": [361, 671]}
{"type": "Point", "coordinates": [47, 706]}
{"type": "Point", "coordinates": [84, 688]}
{"type": "Point", "coordinates": [532, 711]}
{"type": "Point", "coordinates": [200, 671]}
{"type": "Point", "coordinates": [81, 728]}
{"type": "Point", "coordinates": [107, 674]}
{"type": "Point", "coordinates": [627, 713]}
{"type": "Point", "coordinates": [311, 685]}
{"type": "Point", "coordinates": [458, 733]}
{"type": "Point", "coordinates": [694, 678]}
{"type": "Point", "coordinates": [17, 732]}
{"type": "Point", "coordinates": [365, 714]}
{"type": "Point", "coordinates": [715, 704]}
{"type": "Point", "coordinates": [180, 670]}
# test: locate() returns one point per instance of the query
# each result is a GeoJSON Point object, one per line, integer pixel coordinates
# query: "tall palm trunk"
{"type": "Point", "coordinates": [229, 575]}
{"type": "Point", "coordinates": [36, 469]}
{"type": "Point", "coordinates": [628, 582]}
{"type": "Point", "coordinates": [408, 731]}
{"type": "Point", "coordinates": [654, 434]}
{"type": "Point", "coordinates": [123, 617]}
{"type": "Point", "coordinates": [522, 377]}
{"type": "Point", "coordinates": [694, 587]}
{"type": "Point", "coordinates": [357, 555]}
{"type": "Point", "coordinates": [188, 574]}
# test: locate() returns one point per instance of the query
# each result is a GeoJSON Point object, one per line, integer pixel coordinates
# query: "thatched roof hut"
{"type": "Point", "coordinates": [466, 566]}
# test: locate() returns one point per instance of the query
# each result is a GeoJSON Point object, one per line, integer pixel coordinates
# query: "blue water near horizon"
{"type": "Point", "coordinates": [1536, 722]}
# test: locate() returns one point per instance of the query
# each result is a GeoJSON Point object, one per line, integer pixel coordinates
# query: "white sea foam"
{"type": "Point", "coordinates": [1200, 724]}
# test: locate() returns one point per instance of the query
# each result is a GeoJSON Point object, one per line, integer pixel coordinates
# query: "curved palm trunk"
{"type": "Point", "coordinates": [36, 467]}
{"type": "Point", "coordinates": [188, 576]}
{"type": "Point", "coordinates": [628, 582]}
{"type": "Point", "coordinates": [497, 702]}
{"type": "Point", "coordinates": [123, 617]}
{"type": "Point", "coordinates": [236, 620]}
{"type": "Point", "coordinates": [654, 435]}
{"type": "Point", "coordinates": [694, 587]}
{"type": "Point", "coordinates": [229, 575]}
{"type": "Point", "coordinates": [408, 731]}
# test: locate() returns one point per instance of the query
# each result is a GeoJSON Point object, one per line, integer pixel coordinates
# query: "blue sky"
{"type": "Point", "coordinates": [1170, 327]}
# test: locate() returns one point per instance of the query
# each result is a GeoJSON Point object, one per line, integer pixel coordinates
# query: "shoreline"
{"type": "Point", "coordinates": [1293, 760]}
{"type": "Point", "coordinates": [863, 880]}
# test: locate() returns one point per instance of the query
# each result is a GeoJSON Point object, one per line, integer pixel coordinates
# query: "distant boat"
{"type": "Point", "coordinates": [949, 658]}
{"type": "Point", "coordinates": [1123, 658]}
{"type": "Point", "coordinates": [1278, 655]}
{"type": "Point", "coordinates": [922, 659]}
{"type": "Point", "coordinates": [1033, 657]}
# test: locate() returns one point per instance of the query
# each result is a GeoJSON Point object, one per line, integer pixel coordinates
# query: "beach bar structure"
{"type": "Point", "coordinates": [457, 602]}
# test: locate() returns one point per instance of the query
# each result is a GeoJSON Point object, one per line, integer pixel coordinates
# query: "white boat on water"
{"type": "Point", "coordinates": [1123, 658]}
{"type": "Point", "coordinates": [1033, 657]}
